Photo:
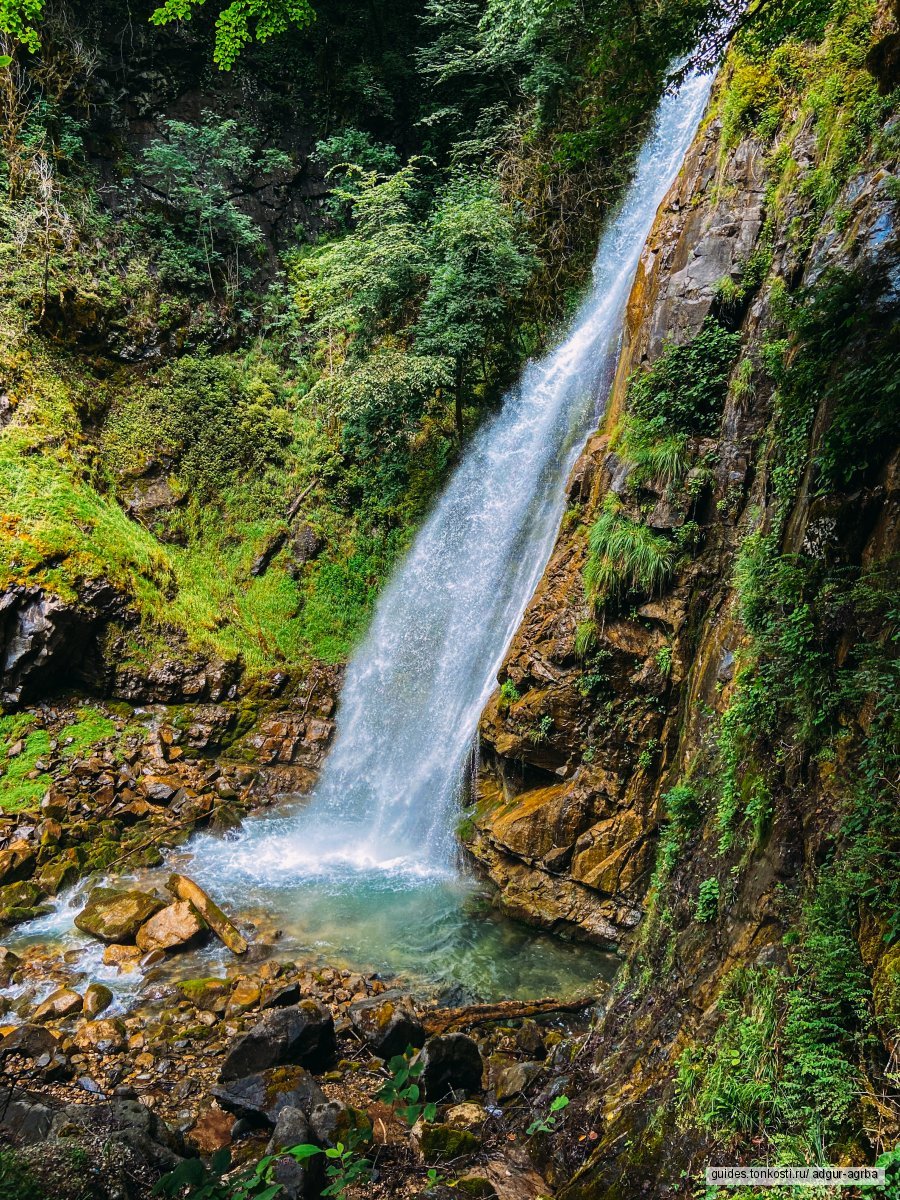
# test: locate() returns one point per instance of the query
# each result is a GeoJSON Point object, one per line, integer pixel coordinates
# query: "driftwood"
{"type": "Point", "coordinates": [447, 1020]}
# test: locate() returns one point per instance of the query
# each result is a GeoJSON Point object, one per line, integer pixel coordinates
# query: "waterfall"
{"type": "Point", "coordinates": [365, 870]}
{"type": "Point", "coordinates": [416, 686]}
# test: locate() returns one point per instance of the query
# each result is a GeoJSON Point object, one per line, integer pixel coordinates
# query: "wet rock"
{"type": "Point", "coordinates": [107, 1036]}
{"type": "Point", "coordinates": [335, 1122]}
{"type": "Point", "coordinates": [55, 877]}
{"type": "Point", "coordinates": [116, 916]}
{"type": "Point", "coordinates": [450, 1063]}
{"type": "Point", "coordinates": [222, 927]}
{"type": "Point", "coordinates": [97, 998]}
{"type": "Point", "coordinates": [303, 1035]}
{"type": "Point", "coordinates": [388, 1023]}
{"type": "Point", "coordinates": [9, 963]}
{"type": "Point", "coordinates": [124, 958]}
{"type": "Point", "coordinates": [176, 927]}
{"type": "Point", "coordinates": [63, 1003]}
{"type": "Point", "coordinates": [209, 995]}
{"type": "Point", "coordinates": [260, 1098]}
{"type": "Point", "coordinates": [17, 862]}
{"type": "Point", "coordinates": [294, 1178]}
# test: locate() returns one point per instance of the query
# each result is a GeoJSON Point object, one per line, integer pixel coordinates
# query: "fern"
{"type": "Point", "coordinates": [624, 556]}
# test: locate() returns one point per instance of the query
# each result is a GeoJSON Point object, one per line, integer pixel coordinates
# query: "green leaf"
{"type": "Point", "coordinates": [429, 1112]}
{"type": "Point", "coordinates": [5, 60]}
{"type": "Point", "coordinates": [302, 1152]}
{"type": "Point", "coordinates": [559, 1103]}
{"type": "Point", "coordinates": [220, 1161]}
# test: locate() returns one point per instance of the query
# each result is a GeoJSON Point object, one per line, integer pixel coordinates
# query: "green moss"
{"type": "Point", "coordinates": [17, 790]}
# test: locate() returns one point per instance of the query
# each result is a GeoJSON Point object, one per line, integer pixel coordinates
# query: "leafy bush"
{"type": "Point", "coordinates": [194, 173]}
{"type": "Point", "coordinates": [707, 907]}
{"type": "Point", "coordinates": [684, 389]}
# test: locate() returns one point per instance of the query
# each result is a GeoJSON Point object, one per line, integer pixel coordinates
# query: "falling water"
{"type": "Point", "coordinates": [417, 685]}
{"type": "Point", "coordinates": [365, 869]}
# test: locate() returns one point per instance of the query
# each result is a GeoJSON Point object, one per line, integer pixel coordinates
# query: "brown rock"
{"type": "Point", "coordinates": [175, 927]}
{"type": "Point", "coordinates": [106, 1036]}
{"type": "Point", "coordinates": [114, 916]}
{"type": "Point", "coordinates": [17, 862]}
{"type": "Point", "coordinates": [63, 1003]}
{"type": "Point", "coordinates": [222, 927]}
{"type": "Point", "coordinates": [211, 1131]}
{"type": "Point", "coordinates": [97, 998]}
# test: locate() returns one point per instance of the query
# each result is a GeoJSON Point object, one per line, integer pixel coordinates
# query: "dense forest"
{"type": "Point", "coordinates": [574, 897]}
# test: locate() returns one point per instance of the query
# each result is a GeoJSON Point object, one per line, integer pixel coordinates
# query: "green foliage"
{"type": "Point", "coordinates": [509, 693]}
{"type": "Point", "coordinates": [624, 556]}
{"type": "Point", "coordinates": [684, 389]}
{"type": "Point", "coordinates": [784, 1064]}
{"type": "Point", "coordinates": [548, 1123]}
{"type": "Point", "coordinates": [17, 789]}
{"type": "Point", "coordinates": [19, 20]}
{"type": "Point", "coordinates": [195, 174]}
{"type": "Point", "coordinates": [193, 1180]}
{"type": "Point", "coordinates": [240, 22]}
{"type": "Point", "coordinates": [681, 809]}
{"type": "Point", "coordinates": [402, 1090]}
{"type": "Point", "coordinates": [707, 907]}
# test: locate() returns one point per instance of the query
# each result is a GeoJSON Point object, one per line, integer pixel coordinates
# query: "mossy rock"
{"type": "Point", "coordinates": [114, 916]}
{"type": "Point", "coordinates": [206, 994]}
{"type": "Point", "coordinates": [886, 989]}
{"type": "Point", "coordinates": [438, 1142]}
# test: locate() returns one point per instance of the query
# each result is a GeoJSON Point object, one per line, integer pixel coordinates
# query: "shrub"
{"type": "Point", "coordinates": [707, 908]}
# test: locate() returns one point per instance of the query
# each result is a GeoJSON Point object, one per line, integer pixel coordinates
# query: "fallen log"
{"type": "Point", "coordinates": [446, 1020]}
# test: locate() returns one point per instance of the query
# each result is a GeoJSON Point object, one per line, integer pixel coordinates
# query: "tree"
{"type": "Point", "coordinates": [197, 173]}
{"type": "Point", "coordinates": [239, 23]}
{"type": "Point", "coordinates": [480, 265]}
{"type": "Point", "coordinates": [362, 286]}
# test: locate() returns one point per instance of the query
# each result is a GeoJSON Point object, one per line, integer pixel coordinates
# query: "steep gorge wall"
{"type": "Point", "coordinates": [616, 802]}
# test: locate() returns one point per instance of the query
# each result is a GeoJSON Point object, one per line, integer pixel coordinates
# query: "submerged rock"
{"type": "Point", "coordinates": [303, 1035]}
{"type": "Point", "coordinates": [116, 916]}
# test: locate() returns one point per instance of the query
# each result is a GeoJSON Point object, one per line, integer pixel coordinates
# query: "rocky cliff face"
{"type": "Point", "coordinates": [581, 741]}
{"type": "Point", "coordinates": [617, 802]}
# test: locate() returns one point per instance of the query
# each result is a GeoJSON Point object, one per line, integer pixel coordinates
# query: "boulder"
{"type": "Point", "coordinates": [63, 1003]}
{"type": "Point", "coordinates": [107, 1036]}
{"type": "Point", "coordinates": [260, 1098]}
{"type": "Point", "coordinates": [388, 1023]}
{"type": "Point", "coordinates": [209, 995]}
{"type": "Point", "coordinates": [435, 1142]}
{"type": "Point", "coordinates": [97, 998]}
{"type": "Point", "coordinates": [114, 916]}
{"type": "Point", "coordinates": [514, 1080]}
{"type": "Point", "coordinates": [450, 1062]}
{"type": "Point", "coordinates": [17, 862]}
{"type": "Point", "coordinates": [334, 1122]}
{"type": "Point", "coordinates": [185, 889]}
{"type": "Point", "coordinates": [175, 927]}
{"type": "Point", "coordinates": [303, 1035]}
{"type": "Point", "coordinates": [37, 1044]}
{"type": "Point", "coordinates": [291, 1129]}
{"type": "Point", "coordinates": [9, 964]}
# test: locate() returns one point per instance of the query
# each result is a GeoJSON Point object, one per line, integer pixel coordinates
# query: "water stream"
{"type": "Point", "coordinates": [365, 870]}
